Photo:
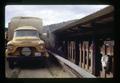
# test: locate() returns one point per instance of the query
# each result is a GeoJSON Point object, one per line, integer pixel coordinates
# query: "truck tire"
{"type": "Point", "coordinates": [11, 64]}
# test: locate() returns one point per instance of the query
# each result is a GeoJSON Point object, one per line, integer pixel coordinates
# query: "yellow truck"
{"type": "Point", "coordinates": [24, 39]}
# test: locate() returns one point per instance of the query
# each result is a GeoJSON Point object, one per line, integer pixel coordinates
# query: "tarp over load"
{"type": "Point", "coordinates": [23, 21]}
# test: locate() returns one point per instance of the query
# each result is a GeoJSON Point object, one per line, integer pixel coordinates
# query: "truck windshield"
{"type": "Point", "coordinates": [23, 33]}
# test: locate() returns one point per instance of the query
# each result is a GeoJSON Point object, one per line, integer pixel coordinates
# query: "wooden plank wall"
{"type": "Point", "coordinates": [86, 55]}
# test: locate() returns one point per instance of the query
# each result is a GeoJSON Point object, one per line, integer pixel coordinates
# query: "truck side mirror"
{"type": "Point", "coordinates": [45, 34]}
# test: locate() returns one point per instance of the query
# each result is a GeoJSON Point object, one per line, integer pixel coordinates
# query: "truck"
{"type": "Point", "coordinates": [24, 42]}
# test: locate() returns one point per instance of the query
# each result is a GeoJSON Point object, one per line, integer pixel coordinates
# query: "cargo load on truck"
{"type": "Point", "coordinates": [23, 21]}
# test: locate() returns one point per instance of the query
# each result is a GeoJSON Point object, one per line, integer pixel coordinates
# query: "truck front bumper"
{"type": "Point", "coordinates": [26, 59]}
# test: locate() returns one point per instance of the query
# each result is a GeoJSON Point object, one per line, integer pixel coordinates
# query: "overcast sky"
{"type": "Point", "coordinates": [51, 14]}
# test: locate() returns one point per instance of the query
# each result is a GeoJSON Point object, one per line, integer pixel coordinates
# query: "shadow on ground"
{"type": "Point", "coordinates": [51, 61]}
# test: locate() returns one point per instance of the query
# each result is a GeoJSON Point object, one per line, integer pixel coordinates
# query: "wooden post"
{"type": "Point", "coordinates": [83, 55]}
{"type": "Point", "coordinates": [65, 50]}
{"type": "Point", "coordinates": [72, 50]}
{"type": "Point", "coordinates": [77, 58]}
{"type": "Point", "coordinates": [68, 52]}
{"type": "Point", "coordinates": [96, 56]}
{"type": "Point", "coordinates": [91, 57]}
{"type": "Point", "coordinates": [87, 55]}
{"type": "Point", "coordinates": [73, 46]}
{"type": "Point", "coordinates": [80, 54]}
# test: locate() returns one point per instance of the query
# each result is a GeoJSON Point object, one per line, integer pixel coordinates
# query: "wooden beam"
{"type": "Point", "coordinates": [105, 20]}
{"type": "Point", "coordinates": [86, 25]}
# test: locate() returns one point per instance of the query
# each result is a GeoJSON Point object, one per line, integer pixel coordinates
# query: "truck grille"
{"type": "Point", "coordinates": [32, 49]}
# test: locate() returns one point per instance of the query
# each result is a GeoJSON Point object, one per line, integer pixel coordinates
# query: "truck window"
{"type": "Point", "coordinates": [23, 33]}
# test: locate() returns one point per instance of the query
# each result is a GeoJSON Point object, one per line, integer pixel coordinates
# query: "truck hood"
{"type": "Point", "coordinates": [25, 38]}
{"type": "Point", "coordinates": [26, 41]}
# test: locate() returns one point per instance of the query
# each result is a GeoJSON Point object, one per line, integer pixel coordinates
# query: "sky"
{"type": "Point", "coordinates": [51, 14]}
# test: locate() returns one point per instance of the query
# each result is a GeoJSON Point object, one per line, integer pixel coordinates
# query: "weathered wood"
{"type": "Point", "coordinates": [91, 50]}
{"type": "Point", "coordinates": [80, 55]}
{"type": "Point", "coordinates": [83, 63]}
{"type": "Point", "coordinates": [87, 56]}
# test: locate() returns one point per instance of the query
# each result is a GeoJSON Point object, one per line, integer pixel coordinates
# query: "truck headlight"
{"type": "Point", "coordinates": [41, 46]}
{"type": "Point", "coordinates": [10, 47]}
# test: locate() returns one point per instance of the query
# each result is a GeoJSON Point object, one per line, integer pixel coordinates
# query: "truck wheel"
{"type": "Point", "coordinates": [11, 64]}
